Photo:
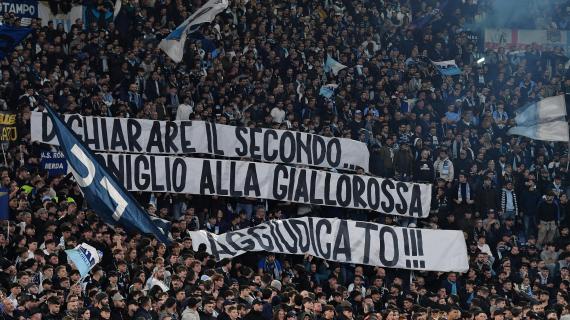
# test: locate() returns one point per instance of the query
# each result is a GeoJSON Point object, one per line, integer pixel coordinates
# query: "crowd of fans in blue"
{"type": "Point", "coordinates": [260, 63]}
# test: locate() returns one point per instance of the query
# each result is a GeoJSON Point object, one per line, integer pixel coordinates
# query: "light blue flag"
{"type": "Point", "coordinates": [327, 90]}
{"type": "Point", "coordinates": [543, 111]}
{"type": "Point", "coordinates": [173, 44]}
{"type": "Point", "coordinates": [447, 68]}
{"type": "Point", "coordinates": [551, 131]}
{"type": "Point", "coordinates": [84, 257]}
{"type": "Point", "coordinates": [544, 120]}
{"type": "Point", "coordinates": [333, 65]}
{"type": "Point", "coordinates": [107, 197]}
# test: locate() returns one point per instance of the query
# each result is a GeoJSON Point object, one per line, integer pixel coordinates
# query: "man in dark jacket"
{"type": "Point", "coordinates": [144, 311]}
{"type": "Point", "coordinates": [207, 312]}
{"type": "Point", "coordinates": [530, 198]}
{"type": "Point", "coordinates": [404, 162]}
{"type": "Point", "coordinates": [256, 311]}
{"type": "Point", "coordinates": [487, 196]}
{"type": "Point", "coordinates": [548, 215]}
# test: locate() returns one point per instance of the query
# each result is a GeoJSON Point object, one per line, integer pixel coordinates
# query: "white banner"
{"type": "Point", "coordinates": [268, 181]}
{"type": "Point", "coordinates": [345, 241]}
{"type": "Point", "coordinates": [191, 137]}
{"type": "Point", "coordinates": [67, 19]}
{"type": "Point", "coordinates": [520, 39]}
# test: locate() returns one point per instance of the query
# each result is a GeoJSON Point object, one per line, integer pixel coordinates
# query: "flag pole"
{"type": "Point", "coordinates": [4, 155]}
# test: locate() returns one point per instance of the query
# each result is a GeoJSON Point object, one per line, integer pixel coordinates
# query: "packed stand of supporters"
{"type": "Point", "coordinates": [260, 64]}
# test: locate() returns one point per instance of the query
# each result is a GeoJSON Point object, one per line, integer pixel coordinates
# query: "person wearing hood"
{"type": "Point", "coordinates": [444, 166]}
{"type": "Point", "coordinates": [417, 147]}
{"type": "Point", "coordinates": [404, 162]}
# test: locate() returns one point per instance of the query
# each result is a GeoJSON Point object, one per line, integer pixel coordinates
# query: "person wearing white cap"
{"type": "Point", "coordinates": [118, 309]}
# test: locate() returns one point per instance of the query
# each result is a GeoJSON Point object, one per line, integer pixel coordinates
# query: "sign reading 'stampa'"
{"type": "Point", "coordinates": [127, 135]}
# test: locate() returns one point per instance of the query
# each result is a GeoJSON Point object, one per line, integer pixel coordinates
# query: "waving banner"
{"type": "Point", "coordinates": [345, 241]}
{"type": "Point", "coordinates": [268, 181]}
{"type": "Point", "coordinates": [192, 137]}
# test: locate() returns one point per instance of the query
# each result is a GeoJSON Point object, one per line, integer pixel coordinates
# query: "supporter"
{"type": "Point", "coordinates": [260, 64]}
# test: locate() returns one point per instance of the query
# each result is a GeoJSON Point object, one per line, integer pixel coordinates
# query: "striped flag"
{"type": "Point", "coordinates": [447, 68]}
{"type": "Point", "coordinates": [544, 120]}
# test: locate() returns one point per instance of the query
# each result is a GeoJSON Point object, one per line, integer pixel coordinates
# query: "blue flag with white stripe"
{"type": "Point", "coordinates": [447, 68]}
{"type": "Point", "coordinates": [106, 196]}
{"type": "Point", "coordinates": [173, 44]}
{"type": "Point", "coordinates": [162, 225]}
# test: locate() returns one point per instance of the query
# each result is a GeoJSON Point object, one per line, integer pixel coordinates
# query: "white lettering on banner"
{"type": "Point", "coordinates": [268, 181]}
{"type": "Point", "coordinates": [190, 137]}
{"type": "Point", "coordinates": [345, 241]}
{"type": "Point", "coordinates": [19, 8]}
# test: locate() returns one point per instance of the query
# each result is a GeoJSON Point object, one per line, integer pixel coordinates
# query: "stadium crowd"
{"type": "Point", "coordinates": [260, 63]}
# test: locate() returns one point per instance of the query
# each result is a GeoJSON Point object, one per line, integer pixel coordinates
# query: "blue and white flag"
{"type": "Point", "coordinates": [84, 257]}
{"type": "Point", "coordinates": [173, 44]}
{"type": "Point", "coordinates": [162, 225]}
{"type": "Point", "coordinates": [107, 197]}
{"type": "Point", "coordinates": [327, 90]}
{"type": "Point", "coordinates": [447, 68]}
{"type": "Point", "coordinates": [544, 120]}
{"type": "Point", "coordinates": [10, 37]}
{"type": "Point", "coordinates": [333, 65]}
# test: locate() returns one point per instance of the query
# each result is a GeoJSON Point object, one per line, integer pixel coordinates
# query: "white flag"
{"type": "Point", "coordinates": [544, 120]}
{"type": "Point", "coordinates": [173, 44]}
